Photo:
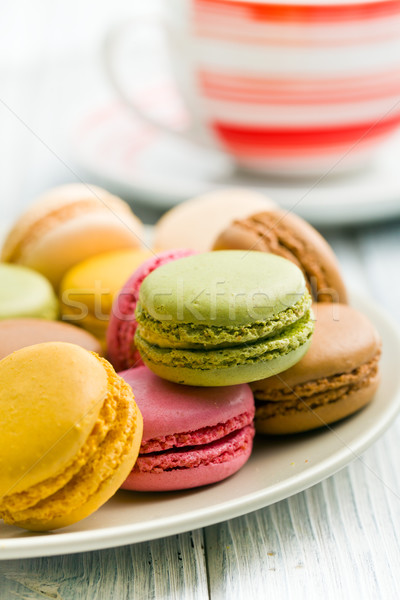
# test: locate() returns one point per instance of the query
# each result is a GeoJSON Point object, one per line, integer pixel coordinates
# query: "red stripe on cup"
{"type": "Point", "coordinates": [304, 154]}
{"type": "Point", "coordinates": [284, 13]}
{"type": "Point", "coordinates": [264, 90]}
{"type": "Point", "coordinates": [247, 139]}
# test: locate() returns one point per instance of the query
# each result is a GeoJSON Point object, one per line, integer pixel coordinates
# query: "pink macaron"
{"type": "Point", "coordinates": [121, 350]}
{"type": "Point", "coordinates": [192, 436]}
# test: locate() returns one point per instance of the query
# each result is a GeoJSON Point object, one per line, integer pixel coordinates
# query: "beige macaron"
{"type": "Point", "coordinates": [337, 377]}
{"type": "Point", "coordinates": [20, 333]}
{"type": "Point", "coordinates": [195, 223]}
{"type": "Point", "coordinates": [68, 224]}
{"type": "Point", "coordinates": [287, 235]}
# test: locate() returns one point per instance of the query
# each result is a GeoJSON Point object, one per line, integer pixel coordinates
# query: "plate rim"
{"type": "Point", "coordinates": [121, 535]}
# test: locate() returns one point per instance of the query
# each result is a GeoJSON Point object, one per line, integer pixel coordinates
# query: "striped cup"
{"type": "Point", "coordinates": [288, 87]}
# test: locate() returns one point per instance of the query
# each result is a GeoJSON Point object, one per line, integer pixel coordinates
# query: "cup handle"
{"type": "Point", "coordinates": [110, 49]}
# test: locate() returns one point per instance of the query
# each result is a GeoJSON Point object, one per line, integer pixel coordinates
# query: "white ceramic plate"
{"type": "Point", "coordinates": [122, 153]}
{"type": "Point", "coordinates": [277, 469]}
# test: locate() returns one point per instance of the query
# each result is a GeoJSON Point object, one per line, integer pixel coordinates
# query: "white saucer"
{"type": "Point", "coordinates": [135, 161]}
{"type": "Point", "coordinates": [277, 469]}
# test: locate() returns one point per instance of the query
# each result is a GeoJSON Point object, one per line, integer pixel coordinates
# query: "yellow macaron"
{"type": "Point", "coordinates": [87, 290]}
{"type": "Point", "coordinates": [70, 433]}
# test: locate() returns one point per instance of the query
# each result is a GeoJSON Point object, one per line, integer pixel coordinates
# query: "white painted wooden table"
{"type": "Point", "coordinates": [339, 539]}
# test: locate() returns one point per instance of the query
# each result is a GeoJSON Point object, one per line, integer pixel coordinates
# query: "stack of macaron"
{"type": "Point", "coordinates": [216, 334]}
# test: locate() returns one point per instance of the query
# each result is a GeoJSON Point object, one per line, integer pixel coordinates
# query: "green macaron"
{"type": "Point", "coordinates": [222, 318]}
{"type": "Point", "coordinates": [25, 293]}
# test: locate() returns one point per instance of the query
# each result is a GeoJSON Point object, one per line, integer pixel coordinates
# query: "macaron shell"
{"type": "Point", "coordinates": [40, 436]}
{"type": "Point", "coordinates": [190, 477]}
{"type": "Point", "coordinates": [87, 291]}
{"type": "Point", "coordinates": [196, 222]}
{"type": "Point", "coordinates": [222, 288]}
{"type": "Point", "coordinates": [189, 425]}
{"type": "Point", "coordinates": [169, 408]}
{"type": "Point", "coordinates": [93, 474]}
{"type": "Point", "coordinates": [25, 293]}
{"type": "Point", "coordinates": [228, 375]}
{"type": "Point", "coordinates": [306, 419]}
{"type": "Point", "coordinates": [338, 375]}
{"type": "Point", "coordinates": [67, 225]}
{"type": "Point", "coordinates": [343, 340]}
{"type": "Point", "coordinates": [106, 490]}
{"type": "Point", "coordinates": [57, 204]}
{"type": "Point", "coordinates": [19, 333]}
{"type": "Point", "coordinates": [193, 455]}
{"type": "Point", "coordinates": [76, 239]}
{"type": "Point", "coordinates": [122, 327]}
{"type": "Point", "coordinates": [96, 280]}
{"type": "Point", "coordinates": [72, 199]}
{"type": "Point", "coordinates": [288, 235]}
{"type": "Point", "coordinates": [93, 325]}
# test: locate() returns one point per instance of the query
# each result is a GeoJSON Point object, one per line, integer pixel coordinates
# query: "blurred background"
{"type": "Point", "coordinates": [51, 76]}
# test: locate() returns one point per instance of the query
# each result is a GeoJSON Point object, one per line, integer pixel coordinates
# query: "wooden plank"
{"type": "Point", "coordinates": [172, 567]}
{"type": "Point", "coordinates": [339, 539]}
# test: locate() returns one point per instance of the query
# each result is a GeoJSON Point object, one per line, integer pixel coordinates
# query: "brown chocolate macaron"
{"type": "Point", "coordinates": [338, 375]}
{"type": "Point", "coordinates": [287, 235]}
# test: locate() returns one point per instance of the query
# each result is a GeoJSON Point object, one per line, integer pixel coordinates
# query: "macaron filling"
{"type": "Point", "coordinates": [104, 450]}
{"type": "Point", "coordinates": [313, 394]}
{"type": "Point", "coordinates": [166, 334]}
{"type": "Point", "coordinates": [288, 340]}
{"type": "Point", "coordinates": [202, 436]}
{"type": "Point", "coordinates": [216, 452]}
